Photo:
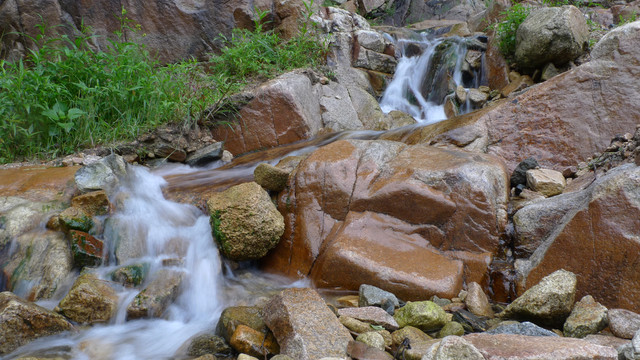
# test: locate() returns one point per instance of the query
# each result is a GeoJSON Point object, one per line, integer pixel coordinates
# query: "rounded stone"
{"type": "Point", "coordinates": [425, 315]}
{"type": "Point", "coordinates": [372, 339]}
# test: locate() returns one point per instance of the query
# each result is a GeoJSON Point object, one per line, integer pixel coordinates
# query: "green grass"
{"type": "Point", "coordinates": [66, 96]}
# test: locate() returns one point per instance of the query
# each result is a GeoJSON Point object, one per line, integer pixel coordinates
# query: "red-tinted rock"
{"type": "Point", "coordinates": [283, 111]}
{"type": "Point", "coordinates": [597, 240]}
{"type": "Point", "coordinates": [304, 326]}
{"type": "Point", "coordinates": [376, 251]}
{"type": "Point", "coordinates": [86, 249]}
{"type": "Point", "coordinates": [445, 205]}
{"type": "Point", "coordinates": [542, 121]}
{"type": "Point", "coordinates": [249, 341]}
{"type": "Point", "coordinates": [39, 183]}
{"type": "Point", "coordinates": [520, 347]}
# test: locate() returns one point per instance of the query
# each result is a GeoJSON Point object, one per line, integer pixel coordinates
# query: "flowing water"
{"type": "Point", "coordinates": [178, 236]}
{"type": "Point", "coordinates": [428, 71]}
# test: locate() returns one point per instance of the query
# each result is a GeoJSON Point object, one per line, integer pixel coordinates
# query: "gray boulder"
{"type": "Point", "coordinates": [154, 300]}
{"type": "Point", "coordinates": [553, 34]}
{"type": "Point", "coordinates": [453, 348]}
{"type": "Point", "coordinates": [103, 174]}
{"type": "Point", "coordinates": [373, 296]}
{"type": "Point", "coordinates": [521, 328]}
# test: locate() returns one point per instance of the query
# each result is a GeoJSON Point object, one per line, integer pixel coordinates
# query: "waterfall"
{"type": "Point", "coordinates": [427, 75]}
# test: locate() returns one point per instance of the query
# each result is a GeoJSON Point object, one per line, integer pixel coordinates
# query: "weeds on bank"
{"type": "Point", "coordinates": [66, 95]}
{"type": "Point", "coordinates": [506, 30]}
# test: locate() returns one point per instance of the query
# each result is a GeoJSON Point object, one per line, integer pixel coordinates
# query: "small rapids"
{"type": "Point", "coordinates": [176, 237]}
{"type": "Point", "coordinates": [428, 73]}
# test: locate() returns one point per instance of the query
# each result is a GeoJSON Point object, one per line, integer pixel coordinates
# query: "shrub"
{"type": "Point", "coordinates": [506, 30]}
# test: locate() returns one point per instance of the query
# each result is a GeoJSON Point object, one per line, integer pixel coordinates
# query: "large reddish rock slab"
{"type": "Point", "coordinates": [559, 122]}
{"type": "Point", "coordinates": [447, 204]}
{"type": "Point", "coordinates": [39, 183]}
{"type": "Point", "coordinates": [376, 252]}
{"type": "Point", "coordinates": [520, 347]}
{"type": "Point", "coordinates": [282, 111]}
{"type": "Point", "coordinates": [597, 240]}
{"type": "Point", "coordinates": [306, 329]}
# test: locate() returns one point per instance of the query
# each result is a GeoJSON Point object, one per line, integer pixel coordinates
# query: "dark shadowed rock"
{"type": "Point", "coordinates": [206, 155]}
{"type": "Point", "coordinates": [208, 344]}
{"type": "Point", "coordinates": [270, 177]}
{"type": "Point", "coordinates": [519, 175]}
{"type": "Point", "coordinates": [304, 326]}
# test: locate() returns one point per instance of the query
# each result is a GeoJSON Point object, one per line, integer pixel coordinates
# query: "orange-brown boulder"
{"type": "Point", "coordinates": [446, 205]}
{"type": "Point", "coordinates": [559, 122]}
{"type": "Point", "coordinates": [596, 239]}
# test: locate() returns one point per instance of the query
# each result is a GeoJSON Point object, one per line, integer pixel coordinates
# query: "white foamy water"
{"type": "Point", "coordinates": [404, 92]}
{"type": "Point", "coordinates": [163, 226]}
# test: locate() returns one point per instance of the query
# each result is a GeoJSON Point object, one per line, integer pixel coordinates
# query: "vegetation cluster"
{"type": "Point", "coordinates": [65, 95]}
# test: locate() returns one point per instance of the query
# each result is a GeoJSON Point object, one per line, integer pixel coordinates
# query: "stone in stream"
{"type": "Point", "coordinates": [548, 303]}
{"type": "Point", "coordinates": [127, 238]}
{"type": "Point", "coordinates": [623, 323]}
{"type": "Point", "coordinates": [18, 216]}
{"type": "Point", "coordinates": [244, 221]}
{"type": "Point", "coordinates": [75, 219]}
{"type": "Point", "coordinates": [413, 334]}
{"type": "Point", "coordinates": [101, 175]}
{"type": "Point", "coordinates": [519, 347]}
{"type": "Point", "coordinates": [89, 301]}
{"type": "Point", "coordinates": [360, 327]}
{"type": "Point", "coordinates": [233, 316]}
{"type": "Point", "coordinates": [22, 322]}
{"type": "Point", "coordinates": [154, 299]}
{"type": "Point", "coordinates": [603, 215]}
{"type": "Point", "coordinates": [86, 249]}
{"type": "Point", "coordinates": [373, 296]}
{"type": "Point", "coordinates": [546, 181]}
{"type": "Point", "coordinates": [304, 326]}
{"type": "Point", "coordinates": [131, 275]}
{"type": "Point", "coordinates": [270, 177]}
{"type": "Point", "coordinates": [587, 317]}
{"type": "Point", "coordinates": [40, 263]}
{"type": "Point", "coordinates": [206, 155]}
{"type": "Point", "coordinates": [371, 314]}
{"type": "Point", "coordinates": [362, 351]}
{"type": "Point", "coordinates": [551, 34]}
{"type": "Point", "coordinates": [207, 344]}
{"type": "Point", "coordinates": [425, 315]}
{"type": "Point", "coordinates": [95, 203]}
{"type": "Point", "coordinates": [452, 328]}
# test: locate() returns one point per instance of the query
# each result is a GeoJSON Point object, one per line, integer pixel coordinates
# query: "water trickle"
{"type": "Point", "coordinates": [427, 74]}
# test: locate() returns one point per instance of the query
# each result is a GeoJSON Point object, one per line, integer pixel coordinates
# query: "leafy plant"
{"type": "Point", "coordinates": [506, 30]}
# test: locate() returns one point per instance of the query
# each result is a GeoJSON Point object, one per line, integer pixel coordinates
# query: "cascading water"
{"type": "Point", "coordinates": [159, 223]}
{"type": "Point", "coordinates": [427, 73]}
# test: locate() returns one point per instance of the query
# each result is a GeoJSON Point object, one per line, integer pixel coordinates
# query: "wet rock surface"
{"type": "Point", "coordinates": [22, 322]}
{"type": "Point", "coordinates": [154, 299]}
{"type": "Point", "coordinates": [89, 301]}
{"type": "Point", "coordinates": [244, 221]}
{"type": "Point", "coordinates": [304, 326]}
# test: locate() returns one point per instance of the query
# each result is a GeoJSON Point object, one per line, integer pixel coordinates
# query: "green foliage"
{"type": "Point", "coordinates": [625, 20]}
{"type": "Point", "coordinates": [264, 54]}
{"type": "Point", "coordinates": [65, 95]}
{"type": "Point", "coordinates": [506, 30]}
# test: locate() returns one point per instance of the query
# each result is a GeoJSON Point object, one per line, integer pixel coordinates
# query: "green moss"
{"type": "Point", "coordinates": [220, 237]}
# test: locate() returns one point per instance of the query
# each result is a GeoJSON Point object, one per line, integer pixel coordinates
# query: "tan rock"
{"type": "Point", "coordinates": [477, 301]}
{"type": "Point", "coordinates": [252, 342]}
{"type": "Point", "coordinates": [304, 326]}
{"type": "Point", "coordinates": [22, 322]}
{"type": "Point", "coordinates": [546, 181]}
{"type": "Point", "coordinates": [89, 301]}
